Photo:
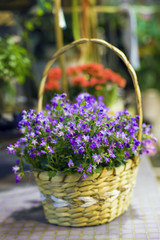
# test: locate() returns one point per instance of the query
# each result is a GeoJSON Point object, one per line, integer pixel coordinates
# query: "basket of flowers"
{"type": "Point", "coordinates": [84, 160]}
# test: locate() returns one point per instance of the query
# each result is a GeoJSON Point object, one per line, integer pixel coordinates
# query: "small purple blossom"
{"type": "Point", "coordinates": [97, 158]}
{"type": "Point", "coordinates": [89, 169]}
{"type": "Point", "coordinates": [107, 159]}
{"type": "Point", "coordinates": [93, 145]}
{"type": "Point", "coordinates": [80, 168]}
{"type": "Point", "coordinates": [63, 95]}
{"type": "Point", "coordinates": [43, 143]}
{"type": "Point", "coordinates": [18, 178]}
{"type": "Point", "coordinates": [84, 176]}
{"type": "Point", "coordinates": [94, 166]}
{"type": "Point", "coordinates": [111, 154]}
{"type": "Point", "coordinates": [18, 161]}
{"type": "Point", "coordinates": [15, 169]}
{"type": "Point", "coordinates": [127, 155]}
{"type": "Point", "coordinates": [51, 150]}
{"type": "Point", "coordinates": [70, 163]}
{"type": "Point", "coordinates": [11, 149]}
{"type": "Point", "coordinates": [43, 152]}
{"type": "Point", "coordinates": [34, 141]}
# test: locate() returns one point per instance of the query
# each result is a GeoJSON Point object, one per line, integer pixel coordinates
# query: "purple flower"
{"type": "Point", "coordinates": [63, 95]}
{"type": "Point", "coordinates": [48, 107]}
{"type": "Point", "coordinates": [43, 143]}
{"type": "Point", "coordinates": [89, 169]}
{"type": "Point", "coordinates": [32, 134]}
{"type": "Point", "coordinates": [86, 138]}
{"type": "Point", "coordinates": [18, 161]}
{"type": "Point", "coordinates": [84, 176]}
{"type": "Point", "coordinates": [23, 139]}
{"type": "Point", "coordinates": [127, 155]}
{"type": "Point", "coordinates": [70, 163]}
{"type": "Point", "coordinates": [34, 141]}
{"type": "Point", "coordinates": [111, 154]}
{"type": "Point", "coordinates": [11, 149]}
{"type": "Point", "coordinates": [94, 166]}
{"type": "Point", "coordinates": [97, 158]}
{"type": "Point", "coordinates": [107, 159]}
{"type": "Point", "coordinates": [15, 169]}
{"type": "Point", "coordinates": [80, 168]}
{"type": "Point", "coordinates": [38, 154]}
{"type": "Point", "coordinates": [48, 130]}
{"type": "Point", "coordinates": [93, 145]}
{"type": "Point", "coordinates": [100, 99]}
{"type": "Point", "coordinates": [61, 119]}
{"type": "Point", "coordinates": [18, 178]}
{"type": "Point", "coordinates": [51, 150]}
{"type": "Point", "coordinates": [43, 152]}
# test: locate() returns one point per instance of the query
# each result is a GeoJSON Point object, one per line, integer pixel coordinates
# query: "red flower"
{"type": "Point", "coordinates": [98, 87]}
{"type": "Point", "coordinates": [73, 71]}
{"type": "Point", "coordinates": [92, 75]}
{"type": "Point", "coordinates": [80, 81]}
{"type": "Point", "coordinates": [95, 69]}
{"type": "Point", "coordinates": [52, 85]}
{"type": "Point", "coordinates": [93, 82]}
{"type": "Point", "coordinates": [54, 73]}
{"type": "Point", "coordinates": [53, 77]}
{"type": "Point", "coordinates": [115, 77]}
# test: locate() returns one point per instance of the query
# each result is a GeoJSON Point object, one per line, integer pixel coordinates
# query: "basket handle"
{"type": "Point", "coordinates": [117, 51]}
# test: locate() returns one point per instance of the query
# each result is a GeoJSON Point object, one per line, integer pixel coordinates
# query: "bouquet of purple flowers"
{"type": "Point", "coordinates": [77, 137]}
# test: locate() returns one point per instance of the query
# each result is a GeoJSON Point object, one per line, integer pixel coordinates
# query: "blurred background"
{"type": "Point", "coordinates": [32, 30]}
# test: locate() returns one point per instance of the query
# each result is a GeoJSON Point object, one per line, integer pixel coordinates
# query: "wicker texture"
{"type": "Point", "coordinates": [70, 201]}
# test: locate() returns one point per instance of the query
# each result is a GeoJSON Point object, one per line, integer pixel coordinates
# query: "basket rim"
{"type": "Point", "coordinates": [113, 171]}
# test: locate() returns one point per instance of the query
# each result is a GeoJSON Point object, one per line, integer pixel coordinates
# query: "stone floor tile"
{"type": "Point", "coordinates": [60, 237]}
{"type": "Point", "coordinates": [154, 235]}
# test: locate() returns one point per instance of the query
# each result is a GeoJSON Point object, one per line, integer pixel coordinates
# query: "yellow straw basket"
{"type": "Point", "coordinates": [69, 200]}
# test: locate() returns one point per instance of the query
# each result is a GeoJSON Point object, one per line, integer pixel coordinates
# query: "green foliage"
{"type": "Point", "coordinates": [149, 49]}
{"type": "Point", "coordinates": [44, 6]}
{"type": "Point", "coordinates": [14, 62]}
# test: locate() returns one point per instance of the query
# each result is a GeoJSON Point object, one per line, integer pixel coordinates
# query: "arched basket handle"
{"type": "Point", "coordinates": [114, 49]}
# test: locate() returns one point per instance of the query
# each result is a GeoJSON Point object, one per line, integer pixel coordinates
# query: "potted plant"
{"type": "Point", "coordinates": [15, 66]}
{"type": "Point", "coordinates": [84, 159]}
{"type": "Point", "coordinates": [69, 143]}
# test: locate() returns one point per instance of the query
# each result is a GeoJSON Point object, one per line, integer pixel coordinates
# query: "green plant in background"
{"type": "Point", "coordinates": [15, 66]}
{"type": "Point", "coordinates": [43, 6]}
{"type": "Point", "coordinates": [149, 49]}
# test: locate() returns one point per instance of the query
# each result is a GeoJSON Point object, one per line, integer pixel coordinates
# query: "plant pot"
{"type": "Point", "coordinates": [69, 200]}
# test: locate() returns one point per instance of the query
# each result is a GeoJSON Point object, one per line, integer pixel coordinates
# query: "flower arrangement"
{"type": "Point", "coordinates": [77, 137]}
{"type": "Point", "coordinates": [92, 77]}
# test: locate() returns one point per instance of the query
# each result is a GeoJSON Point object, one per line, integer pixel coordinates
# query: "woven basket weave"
{"type": "Point", "coordinates": [69, 200]}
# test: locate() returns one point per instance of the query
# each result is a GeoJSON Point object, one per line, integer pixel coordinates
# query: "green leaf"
{"type": "Point", "coordinates": [98, 170]}
{"type": "Point", "coordinates": [29, 25]}
{"type": "Point", "coordinates": [52, 173]}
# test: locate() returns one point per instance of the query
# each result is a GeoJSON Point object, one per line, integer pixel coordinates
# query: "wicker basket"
{"type": "Point", "coordinates": [69, 200]}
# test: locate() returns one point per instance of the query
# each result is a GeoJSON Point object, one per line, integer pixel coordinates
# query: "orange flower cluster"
{"type": "Point", "coordinates": [53, 79]}
{"type": "Point", "coordinates": [92, 75]}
